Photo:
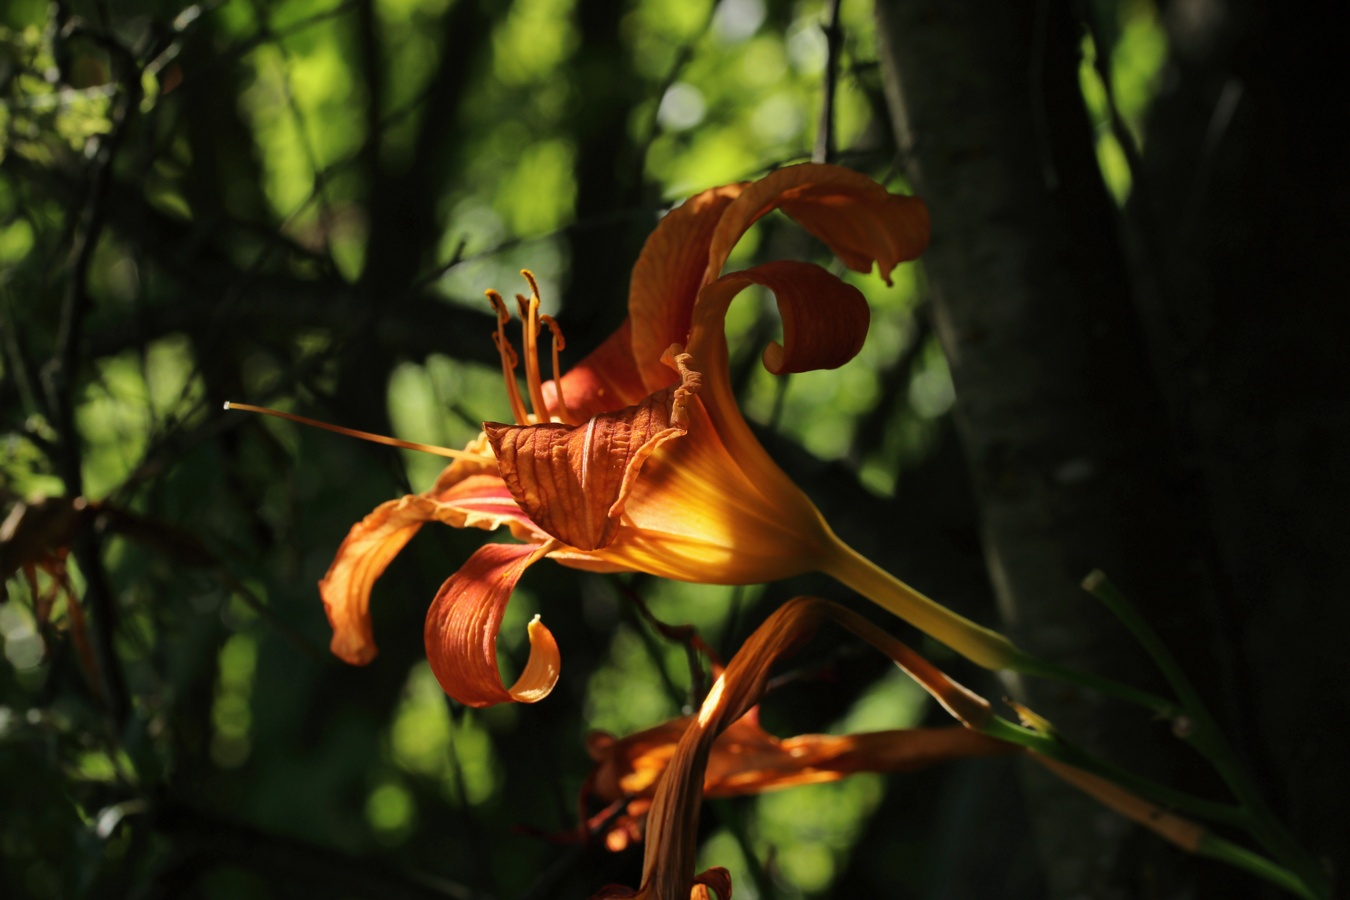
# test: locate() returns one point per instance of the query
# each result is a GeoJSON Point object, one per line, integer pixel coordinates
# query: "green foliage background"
{"type": "Point", "coordinates": [300, 203]}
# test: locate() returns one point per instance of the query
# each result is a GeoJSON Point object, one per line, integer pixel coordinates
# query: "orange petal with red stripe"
{"type": "Point", "coordinates": [462, 625]}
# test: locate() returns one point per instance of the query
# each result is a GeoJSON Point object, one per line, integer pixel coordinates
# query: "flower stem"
{"type": "Point", "coordinates": [1205, 736]}
{"type": "Point", "coordinates": [982, 646]}
{"type": "Point", "coordinates": [1215, 847]}
{"type": "Point", "coordinates": [1057, 748]}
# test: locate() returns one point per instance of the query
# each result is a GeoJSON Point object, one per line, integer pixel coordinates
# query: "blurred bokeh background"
{"type": "Point", "coordinates": [299, 203]}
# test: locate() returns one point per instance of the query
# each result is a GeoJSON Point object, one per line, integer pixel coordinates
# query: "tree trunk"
{"type": "Point", "coordinates": [1065, 431]}
{"type": "Point", "coordinates": [1244, 192]}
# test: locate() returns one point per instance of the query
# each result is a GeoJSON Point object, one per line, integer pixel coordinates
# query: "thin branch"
{"type": "Point", "coordinates": [834, 37]}
{"type": "Point", "coordinates": [59, 375]}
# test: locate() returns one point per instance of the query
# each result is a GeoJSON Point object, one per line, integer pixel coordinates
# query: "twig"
{"type": "Point", "coordinates": [685, 635]}
{"type": "Point", "coordinates": [1040, 116]}
{"type": "Point", "coordinates": [59, 376]}
{"type": "Point", "coordinates": [824, 151]}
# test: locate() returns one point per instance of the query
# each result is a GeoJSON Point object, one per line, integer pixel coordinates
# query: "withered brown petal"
{"type": "Point", "coordinates": [573, 480]}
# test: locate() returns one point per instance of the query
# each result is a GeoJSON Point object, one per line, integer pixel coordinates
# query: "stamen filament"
{"type": "Point", "coordinates": [559, 344]}
{"type": "Point", "coordinates": [529, 318]}
{"type": "Point", "coordinates": [508, 356]}
{"type": "Point", "coordinates": [363, 435]}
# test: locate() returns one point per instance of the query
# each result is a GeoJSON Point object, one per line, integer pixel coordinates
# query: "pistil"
{"type": "Point", "coordinates": [363, 435]}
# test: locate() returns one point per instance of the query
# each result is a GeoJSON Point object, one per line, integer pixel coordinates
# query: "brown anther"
{"type": "Point", "coordinates": [529, 323]}
{"type": "Point", "coordinates": [523, 304]}
{"type": "Point", "coordinates": [559, 343]}
{"type": "Point", "coordinates": [534, 285]}
{"type": "Point", "coordinates": [499, 307]}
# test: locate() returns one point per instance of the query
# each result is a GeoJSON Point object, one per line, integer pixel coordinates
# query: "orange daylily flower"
{"type": "Point", "coordinates": [638, 459]}
{"type": "Point", "coordinates": [672, 822]}
{"type": "Point", "coordinates": [746, 759]}
{"type": "Point", "coordinates": [692, 758]}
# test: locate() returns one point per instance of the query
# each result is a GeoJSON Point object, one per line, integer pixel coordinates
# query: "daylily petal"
{"type": "Point", "coordinates": [673, 820]}
{"type": "Point", "coordinates": [667, 278]}
{"type": "Point", "coordinates": [573, 481]}
{"type": "Point", "coordinates": [854, 216]}
{"type": "Point", "coordinates": [707, 511]}
{"type": "Point", "coordinates": [465, 496]}
{"type": "Point", "coordinates": [462, 626]}
{"type": "Point", "coordinates": [483, 501]}
{"type": "Point", "coordinates": [367, 551]}
{"type": "Point", "coordinates": [824, 319]}
{"type": "Point", "coordinates": [746, 759]}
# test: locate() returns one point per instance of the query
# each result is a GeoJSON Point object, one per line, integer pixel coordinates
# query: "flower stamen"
{"type": "Point", "coordinates": [529, 324]}
{"type": "Point", "coordinates": [363, 435]}
{"type": "Point", "coordinates": [508, 355]}
{"type": "Point", "coordinates": [559, 344]}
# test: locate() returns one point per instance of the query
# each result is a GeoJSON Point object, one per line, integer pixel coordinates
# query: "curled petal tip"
{"type": "Point", "coordinates": [462, 625]}
{"type": "Point", "coordinates": [353, 652]}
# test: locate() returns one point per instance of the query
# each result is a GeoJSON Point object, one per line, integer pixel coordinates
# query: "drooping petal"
{"type": "Point", "coordinates": [824, 319]}
{"type": "Point", "coordinates": [466, 495]}
{"type": "Point", "coordinates": [462, 625]}
{"type": "Point", "coordinates": [673, 819]}
{"type": "Point", "coordinates": [366, 552]}
{"type": "Point", "coordinates": [746, 759]}
{"type": "Point", "coordinates": [667, 278]}
{"type": "Point", "coordinates": [854, 216]}
{"type": "Point", "coordinates": [573, 481]}
{"type": "Point", "coordinates": [1181, 831]}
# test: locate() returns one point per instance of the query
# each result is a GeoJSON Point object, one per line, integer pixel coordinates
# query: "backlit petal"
{"type": "Point", "coordinates": [667, 278]}
{"type": "Point", "coordinates": [824, 319]}
{"type": "Point", "coordinates": [854, 216]}
{"type": "Point", "coordinates": [673, 819]}
{"type": "Point", "coordinates": [573, 481]}
{"type": "Point", "coordinates": [462, 626]}
{"type": "Point", "coordinates": [367, 551]}
{"type": "Point", "coordinates": [746, 759]}
{"type": "Point", "coordinates": [713, 512]}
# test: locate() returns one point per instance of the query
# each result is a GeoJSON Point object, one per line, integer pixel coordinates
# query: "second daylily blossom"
{"type": "Point", "coordinates": [638, 459]}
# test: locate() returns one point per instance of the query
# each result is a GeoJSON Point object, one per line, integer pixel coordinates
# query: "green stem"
{"type": "Point", "coordinates": [1056, 747]}
{"type": "Point", "coordinates": [1215, 847]}
{"type": "Point", "coordinates": [1210, 845]}
{"type": "Point", "coordinates": [1204, 735]}
{"type": "Point", "coordinates": [982, 646]}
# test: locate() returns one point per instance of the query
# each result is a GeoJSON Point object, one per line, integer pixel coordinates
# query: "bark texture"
{"type": "Point", "coordinates": [1243, 194]}
{"type": "Point", "coordinates": [1065, 431]}
{"type": "Point", "coordinates": [1174, 415]}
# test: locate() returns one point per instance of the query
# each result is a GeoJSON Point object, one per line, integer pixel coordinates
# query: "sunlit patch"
{"type": "Point", "coordinates": [391, 812]}
{"type": "Point", "coordinates": [231, 711]}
